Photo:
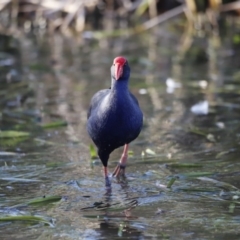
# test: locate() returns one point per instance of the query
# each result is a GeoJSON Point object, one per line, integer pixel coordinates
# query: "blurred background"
{"type": "Point", "coordinates": [183, 177]}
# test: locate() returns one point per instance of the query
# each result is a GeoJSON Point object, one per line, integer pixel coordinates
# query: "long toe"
{"type": "Point", "coordinates": [121, 179]}
{"type": "Point", "coordinates": [116, 171]}
{"type": "Point", "coordinates": [119, 171]}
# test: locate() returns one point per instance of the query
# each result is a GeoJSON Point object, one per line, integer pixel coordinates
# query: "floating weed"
{"type": "Point", "coordinates": [130, 153]}
{"type": "Point", "coordinates": [13, 134]}
{"type": "Point", "coordinates": [148, 162]}
{"type": "Point", "coordinates": [226, 186]}
{"type": "Point", "coordinates": [27, 218]}
{"type": "Point", "coordinates": [208, 136]}
{"type": "Point", "coordinates": [198, 189]}
{"type": "Point", "coordinates": [12, 142]}
{"type": "Point", "coordinates": [40, 201]}
{"type": "Point", "coordinates": [197, 131]}
{"type": "Point", "coordinates": [44, 200]}
{"type": "Point", "coordinates": [171, 182]}
{"type": "Point", "coordinates": [93, 152]}
{"type": "Point", "coordinates": [55, 124]}
{"type": "Point", "coordinates": [184, 165]}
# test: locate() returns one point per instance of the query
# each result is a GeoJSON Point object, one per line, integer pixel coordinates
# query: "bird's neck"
{"type": "Point", "coordinates": [119, 86]}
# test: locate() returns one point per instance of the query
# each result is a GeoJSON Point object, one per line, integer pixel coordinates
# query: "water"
{"type": "Point", "coordinates": [52, 78]}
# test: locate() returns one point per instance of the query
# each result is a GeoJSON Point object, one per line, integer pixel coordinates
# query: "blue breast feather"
{"type": "Point", "coordinates": [114, 119]}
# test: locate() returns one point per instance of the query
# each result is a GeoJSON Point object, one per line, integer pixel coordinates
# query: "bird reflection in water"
{"type": "Point", "coordinates": [114, 230]}
{"type": "Point", "coordinates": [115, 214]}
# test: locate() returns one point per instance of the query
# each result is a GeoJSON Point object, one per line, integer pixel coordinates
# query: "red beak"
{"type": "Point", "coordinates": [118, 70]}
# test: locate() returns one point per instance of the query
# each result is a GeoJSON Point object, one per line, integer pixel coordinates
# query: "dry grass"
{"type": "Point", "coordinates": [109, 15]}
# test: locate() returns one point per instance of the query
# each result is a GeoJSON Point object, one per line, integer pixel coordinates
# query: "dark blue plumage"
{"type": "Point", "coordinates": [114, 118]}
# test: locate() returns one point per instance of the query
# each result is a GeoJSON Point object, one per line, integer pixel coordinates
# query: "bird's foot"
{"type": "Point", "coordinates": [119, 171]}
{"type": "Point", "coordinates": [107, 182]}
{"type": "Point", "coordinates": [122, 180]}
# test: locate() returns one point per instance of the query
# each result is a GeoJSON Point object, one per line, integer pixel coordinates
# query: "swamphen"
{"type": "Point", "coordinates": [114, 117]}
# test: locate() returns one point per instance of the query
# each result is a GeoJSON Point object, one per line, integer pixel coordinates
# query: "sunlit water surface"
{"type": "Point", "coordinates": [188, 87]}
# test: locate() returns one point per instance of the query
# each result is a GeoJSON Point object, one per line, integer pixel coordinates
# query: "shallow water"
{"type": "Point", "coordinates": [52, 78]}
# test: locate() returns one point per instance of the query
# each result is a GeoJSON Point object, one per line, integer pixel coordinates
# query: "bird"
{"type": "Point", "coordinates": [114, 118]}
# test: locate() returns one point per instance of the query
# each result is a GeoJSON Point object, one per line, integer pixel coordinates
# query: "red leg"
{"type": "Point", "coordinates": [120, 169]}
{"type": "Point", "coordinates": [105, 171]}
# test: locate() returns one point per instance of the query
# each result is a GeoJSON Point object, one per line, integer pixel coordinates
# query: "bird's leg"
{"type": "Point", "coordinates": [120, 169]}
{"type": "Point", "coordinates": [107, 180]}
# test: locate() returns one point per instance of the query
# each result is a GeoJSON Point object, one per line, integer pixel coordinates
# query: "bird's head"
{"type": "Point", "coordinates": [120, 69]}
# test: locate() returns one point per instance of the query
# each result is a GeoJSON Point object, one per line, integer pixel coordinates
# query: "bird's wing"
{"type": "Point", "coordinates": [96, 99]}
